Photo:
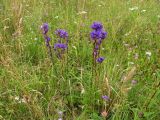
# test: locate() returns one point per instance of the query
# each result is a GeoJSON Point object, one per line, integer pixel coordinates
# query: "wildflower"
{"type": "Point", "coordinates": [105, 97]}
{"type": "Point", "coordinates": [103, 35]}
{"type": "Point", "coordinates": [47, 39]}
{"type": "Point", "coordinates": [23, 100]}
{"type": "Point", "coordinates": [143, 11]}
{"type": "Point", "coordinates": [148, 53]}
{"type": "Point", "coordinates": [60, 45]}
{"type": "Point", "coordinates": [61, 33]}
{"type": "Point", "coordinates": [45, 28]}
{"type": "Point", "coordinates": [16, 98]}
{"type": "Point", "coordinates": [100, 59]}
{"type": "Point", "coordinates": [60, 49]}
{"type": "Point", "coordinates": [96, 26]}
{"type": "Point", "coordinates": [96, 35]}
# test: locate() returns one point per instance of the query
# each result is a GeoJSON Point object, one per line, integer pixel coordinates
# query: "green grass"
{"type": "Point", "coordinates": [34, 88]}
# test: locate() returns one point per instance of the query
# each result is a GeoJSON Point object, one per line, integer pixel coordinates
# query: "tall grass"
{"type": "Point", "coordinates": [32, 87]}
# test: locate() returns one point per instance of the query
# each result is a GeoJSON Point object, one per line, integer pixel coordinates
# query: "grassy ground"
{"type": "Point", "coordinates": [34, 88]}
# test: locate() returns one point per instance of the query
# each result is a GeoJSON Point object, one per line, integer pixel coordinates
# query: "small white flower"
{"type": "Point", "coordinates": [143, 11]}
{"type": "Point", "coordinates": [148, 53]}
{"type": "Point", "coordinates": [133, 8]}
{"type": "Point", "coordinates": [23, 101]}
{"type": "Point", "coordinates": [35, 38]}
{"type": "Point", "coordinates": [99, 5]}
{"type": "Point", "coordinates": [16, 98]}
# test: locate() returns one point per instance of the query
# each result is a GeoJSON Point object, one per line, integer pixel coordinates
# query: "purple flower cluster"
{"type": "Point", "coordinates": [47, 39]}
{"type": "Point", "coordinates": [61, 33]}
{"type": "Point", "coordinates": [97, 26]}
{"type": "Point", "coordinates": [45, 29]}
{"type": "Point", "coordinates": [97, 35]}
{"type": "Point", "coordinates": [60, 46]}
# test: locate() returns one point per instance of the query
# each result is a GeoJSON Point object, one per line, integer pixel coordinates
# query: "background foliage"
{"type": "Point", "coordinates": [34, 88]}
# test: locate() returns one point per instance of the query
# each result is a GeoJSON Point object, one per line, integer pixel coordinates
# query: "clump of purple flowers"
{"type": "Point", "coordinates": [97, 35]}
{"type": "Point", "coordinates": [45, 29]}
{"type": "Point", "coordinates": [62, 45]}
{"type": "Point", "coordinates": [61, 33]}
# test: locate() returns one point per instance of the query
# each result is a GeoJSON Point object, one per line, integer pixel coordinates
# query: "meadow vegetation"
{"type": "Point", "coordinates": [37, 86]}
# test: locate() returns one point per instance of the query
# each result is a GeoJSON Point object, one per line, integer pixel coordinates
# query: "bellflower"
{"type": "Point", "coordinates": [98, 34]}
{"type": "Point", "coordinates": [105, 97]}
{"type": "Point", "coordinates": [47, 39]}
{"type": "Point", "coordinates": [95, 35]}
{"type": "Point", "coordinates": [60, 45]}
{"type": "Point", "coordinates": [61, 33]}
{"type": "Point", "coordinates": [45, 28]}
{"type": "Point", "coordinates": [100, 59]}
{"type": "Point", "coordinates": [96, 26]}
{"type": "Point", "coordinates": [103, 35]}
